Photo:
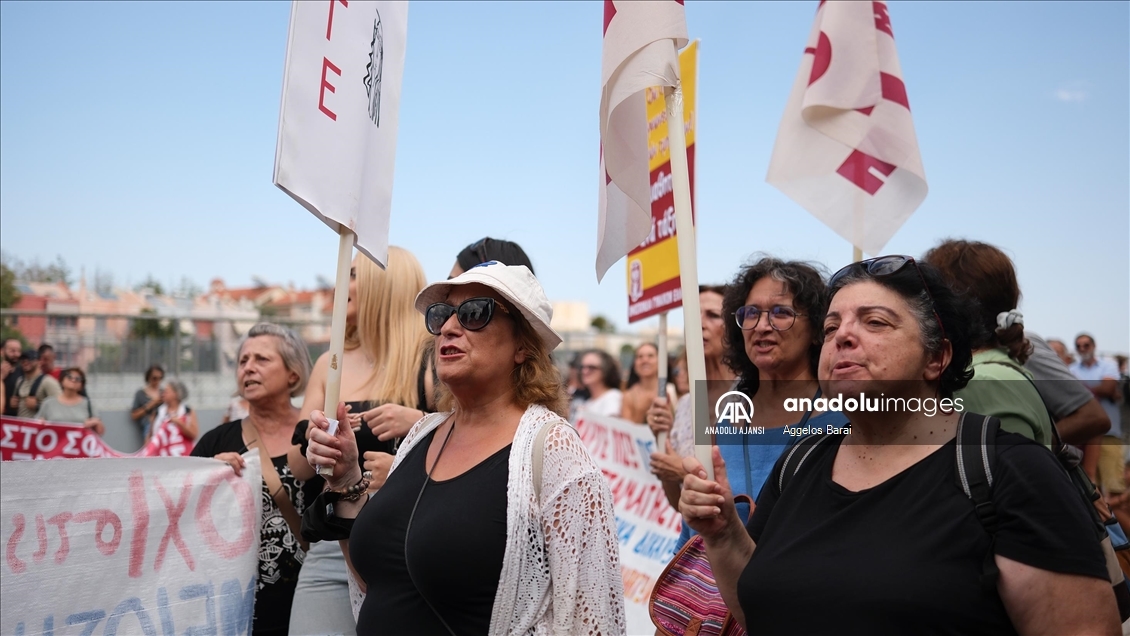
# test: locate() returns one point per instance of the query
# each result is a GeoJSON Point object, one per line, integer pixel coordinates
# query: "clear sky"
{"type": "Point", "coordinates": [139, 138]}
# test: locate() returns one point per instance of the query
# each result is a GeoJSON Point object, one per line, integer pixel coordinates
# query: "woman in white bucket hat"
{"type": "Point", "coordinates": [494, 518]}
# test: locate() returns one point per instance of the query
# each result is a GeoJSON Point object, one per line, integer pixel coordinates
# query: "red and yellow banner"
{"type": "Point", "coordinates": [653, 266]}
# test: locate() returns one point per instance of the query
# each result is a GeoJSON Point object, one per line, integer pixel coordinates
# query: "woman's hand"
{"type": "Point", "coordinates": [668, 466]}
{"type": "Point", "coordinates": [337, 451]}
{"type": "Point", "coordinates": [708, 506]}
{"type": "Point", "coordinates": [95, 424]}
{"type": "Point", "coordinates": [235, 460]}
{"type": "Point", "coordinates": [389, 421]}
{"type": "Point", "coordinates": [379, 464]}
{"type": "Point", "coordinates": [660, 417]}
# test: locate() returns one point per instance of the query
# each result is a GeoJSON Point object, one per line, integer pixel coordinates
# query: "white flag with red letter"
{"type": "Point", "coordinates": [846, 149]}
{"type": "Point", "coordinates": [340, 107]}
{"type": "Point", "coordinates": [641, 49]}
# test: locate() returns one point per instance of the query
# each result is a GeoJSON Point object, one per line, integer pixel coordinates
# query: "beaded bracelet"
{"type": "Point", "coordinates": [354, 492]}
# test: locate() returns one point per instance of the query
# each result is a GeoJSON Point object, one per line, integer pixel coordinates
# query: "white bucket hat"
{"type": "Point", "coordinates": [516, 283]}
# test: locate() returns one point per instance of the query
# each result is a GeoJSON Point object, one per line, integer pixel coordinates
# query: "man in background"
{"type": "Point", "coordinates": [11, 372]}
{"type": "Point", "coordinates": [1101, 377]}
{"type": "Point", "coordinates": [47, 361]}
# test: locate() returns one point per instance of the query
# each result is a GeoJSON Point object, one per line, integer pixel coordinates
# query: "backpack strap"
{"type": "Point", "coordinates": [976, 456]}
{"type": "Point", "coordinates": [796, 457]}
{"type": "Point", "coordinates": [35, 385]}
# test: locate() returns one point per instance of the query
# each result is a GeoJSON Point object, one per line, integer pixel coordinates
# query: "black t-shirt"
{"type": "Point", "coordinates": [366, 441]}
{"type": "Point", "coordinates": [10, 383]}
{"type": "Point", "coordinates": [456, 546]}
{"type": "Point", "coordinates": [905, 556]}
{"type": "Point", "coordinates": [281, 561]}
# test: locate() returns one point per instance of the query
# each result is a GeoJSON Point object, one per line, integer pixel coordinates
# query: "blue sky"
{"type": "Point", "coordinates": [139, 138]}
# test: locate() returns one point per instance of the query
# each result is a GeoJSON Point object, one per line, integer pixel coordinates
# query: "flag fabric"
{"type": "Point", "coordinates": [338, 119]}
{"type": "Point", "coordinates": [846, 148]}
{"type": "Point", "coordinates": [641, 50]}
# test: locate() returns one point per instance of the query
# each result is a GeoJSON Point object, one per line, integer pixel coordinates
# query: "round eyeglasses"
{"type": "Point", "coordinates": [780, 318]}
{"type": "Point", "coordinates": [473, 314]}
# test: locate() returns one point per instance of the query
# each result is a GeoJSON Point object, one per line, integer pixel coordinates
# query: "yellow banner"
{"type": "Point", "coordinates": [658, 151]}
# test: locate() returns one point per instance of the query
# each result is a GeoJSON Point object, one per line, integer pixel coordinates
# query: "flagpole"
{"type": "Point", "coordinates": [688, 267]}
{"type": "Point", "coordinates": [337, 326]}
{"type": "Point", "coordinates": [661, 438]}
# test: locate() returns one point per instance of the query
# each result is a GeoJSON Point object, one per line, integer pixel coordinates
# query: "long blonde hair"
{"type": "Point", "coordinates": [389, 330]}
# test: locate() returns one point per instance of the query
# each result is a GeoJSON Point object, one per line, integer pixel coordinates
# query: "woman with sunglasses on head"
{"type": "Point", "coordinates": [494, 519]}
{"type": "Point", "coordinates": [1000, 385]}
{"type": "Point", "coordinates": [386, 382]}
{"type": "Point", "coordinates": [71, 406]}
{"type": "Point", "coordinates": [878, 511]}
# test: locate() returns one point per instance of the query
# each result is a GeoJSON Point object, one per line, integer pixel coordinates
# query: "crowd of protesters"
{"type": "Point", "coordinates": [455, 448]}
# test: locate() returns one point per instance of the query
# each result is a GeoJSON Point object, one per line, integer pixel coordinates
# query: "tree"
{"type": "Point", "coordinates": [603, 325]}
{"type": "Point", "coordinates": [103, 282]}
{"type": "Point", "coordinates": [9, 296]}
{"type": "Point", "coordinates": [149, 326]}
{"type": "Point", "coordinates": [188, 288]}
{"type": "Point", "coordinates": [151, 284]}
{"type": "Point", "coordinates": [34, 272]}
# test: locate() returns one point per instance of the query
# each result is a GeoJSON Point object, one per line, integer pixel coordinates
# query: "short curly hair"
{"type": "Point", "coordinates": [957, 317]}
{"type": "Point", "coordinates": [805, 281]}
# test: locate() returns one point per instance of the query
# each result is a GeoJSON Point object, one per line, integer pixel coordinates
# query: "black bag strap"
{"type": "Point", "coordinates": [796, 457]}
{"type": "Point", "coordinates": [976, 454]}
{"type": "Point", "coordinates": [35, 384]}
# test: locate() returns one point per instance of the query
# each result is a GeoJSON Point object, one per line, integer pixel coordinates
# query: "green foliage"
{"type": "Point", "coordinates": [603, 325]}
{"type": "Point", "coordinates": [151, 284]}
{"type": "Point", "coordinates": [9, 295]}
{"type": "Point", "coordinates": [151, 327]}
{"type": "Point", "coordinates": [34, 272]}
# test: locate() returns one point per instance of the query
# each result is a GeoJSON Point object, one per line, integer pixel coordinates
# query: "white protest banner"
{"type": "Point", "coordinates": [35, 439]}
{"type": "Point", "coordinates": [338, 118]}
{"type": "Point", "coordinates": [129, 546]}
{"type": "Point", "coordinates": [647, 525]}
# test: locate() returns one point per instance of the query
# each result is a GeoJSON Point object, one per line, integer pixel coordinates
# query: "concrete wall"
{"type": "Point", "coordinates": [112, 395]}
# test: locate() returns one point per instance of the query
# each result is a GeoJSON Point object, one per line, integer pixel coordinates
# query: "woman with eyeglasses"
{"type": "Point", "coordinates": [494, 519]}
{"type": "Point", "coordinates": [71, 406]}
{"type": "Point", "coordinates": [147, 400]}
{"type": "Point", "coordinates": [386, 381]}
{"type": "Point", "coordinates": [878, 514]}
{"type": "Point", "coordinates": [1000, 385]}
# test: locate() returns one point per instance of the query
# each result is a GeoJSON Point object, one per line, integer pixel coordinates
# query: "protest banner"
{"type": "Point", "coordinates": [35, 439]}
{"type": "Point", "coordinates": [653, 265]}
{"type": "Point", "coordinates": [129, 546]}
{"type": "Point", "coordinates": [647, 526]}
{"type": "Point", "coordinates": [846, 149]}
{"type": "Point", "coordinates": [336, 147]}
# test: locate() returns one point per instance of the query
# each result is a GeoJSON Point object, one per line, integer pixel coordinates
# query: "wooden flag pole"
{"type": "Point", "coordinates": [661, 439]}
{"type": "Point", "coordinates": [337, 327]}
{"type": "Point", "coordinates": [856, 254]}
{"type": "Point", "coordinates": [688, 269]}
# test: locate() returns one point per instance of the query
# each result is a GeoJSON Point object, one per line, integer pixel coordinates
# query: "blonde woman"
{"type": "Point", "coordinates": [387, 384]}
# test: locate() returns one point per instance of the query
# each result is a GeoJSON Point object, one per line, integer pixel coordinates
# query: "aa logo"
{"type": "Point", "coordinates": [734, 407]}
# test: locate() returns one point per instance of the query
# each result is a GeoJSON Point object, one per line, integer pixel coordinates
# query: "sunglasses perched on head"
{"type": "Point", "coordinates": [473, 314]}
{"type": "Point", "coordinates": [886, 266]}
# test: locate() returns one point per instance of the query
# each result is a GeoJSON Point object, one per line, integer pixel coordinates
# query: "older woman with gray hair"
{"type": "Point", "coordinates": [273, 366]}
{"type": "Point", "coordinates": [175, 419]}
{"type": "Point", "coordinates": [494, 519]}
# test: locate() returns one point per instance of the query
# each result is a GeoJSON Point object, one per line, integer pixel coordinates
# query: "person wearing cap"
{"type": "Point", "coordinates": [494, 519]}
{"type": "Point", "coordinates": [35, 386]}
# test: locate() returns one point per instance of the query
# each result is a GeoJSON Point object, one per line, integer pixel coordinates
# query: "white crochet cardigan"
{"type": "Point", "coordinates": [561, 568]}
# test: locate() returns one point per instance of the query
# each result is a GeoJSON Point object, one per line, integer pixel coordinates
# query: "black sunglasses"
{"type": "Point", "coordinates": [885, 266]}
{"type": "Point", "coordinates": [473, 314]}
